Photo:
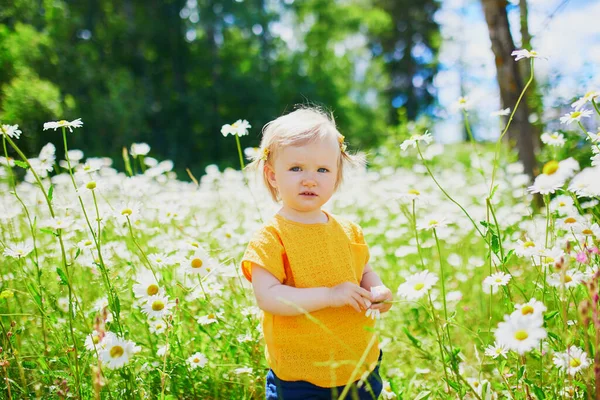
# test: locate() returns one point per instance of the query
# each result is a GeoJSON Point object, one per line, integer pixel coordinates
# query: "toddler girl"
{"type": "Point", "coordinates": [309, 268]}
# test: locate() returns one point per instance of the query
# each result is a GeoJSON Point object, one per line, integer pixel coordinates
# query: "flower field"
{"type": "Point", "coordinates": [124, 284]}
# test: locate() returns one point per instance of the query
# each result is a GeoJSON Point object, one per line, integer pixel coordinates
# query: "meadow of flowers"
{"type": "Point", "coordinates": [125, 284]}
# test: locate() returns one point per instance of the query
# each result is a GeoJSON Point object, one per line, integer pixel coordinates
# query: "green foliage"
{"type": "Point", "coordinates": [172, 73]}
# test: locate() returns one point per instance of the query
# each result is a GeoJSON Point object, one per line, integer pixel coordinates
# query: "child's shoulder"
{"type": "Point", "coordinates": [351, 228]}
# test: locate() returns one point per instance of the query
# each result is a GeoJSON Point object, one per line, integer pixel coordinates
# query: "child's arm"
{"type": "Point", "coordinates": [278, 299]}
{"type": "Point", "coordinates": [369, 278]}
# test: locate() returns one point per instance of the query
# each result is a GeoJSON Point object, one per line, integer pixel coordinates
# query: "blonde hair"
{"type": "Point", "coordinates": [297, 128]}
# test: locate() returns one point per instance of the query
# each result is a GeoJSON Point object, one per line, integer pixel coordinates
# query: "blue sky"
{"type": "Point", "coordinates": [570, 40]}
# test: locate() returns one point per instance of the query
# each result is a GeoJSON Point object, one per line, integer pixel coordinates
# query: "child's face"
{"type": "Point", "coordinates": [305, 176]}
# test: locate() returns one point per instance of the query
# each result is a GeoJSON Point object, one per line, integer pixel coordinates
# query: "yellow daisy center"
{"type": "Point", "coordinates": [550, 168]}
{"type": "Point", "coordinates": [95, 339]}
{"type": "Point", "coordinates": [127, 211]}
{"type": "Point", "coordinates": [88, 243]}
{"type": "Point", "coordinates": [195, 244]}
{"type": "Point", "coordinates": [152, 290]}
{"type": "Point", "coordinates": [419, 286]}
{"type": "Point", "coordinates": [570, 220]}
{"type": "Point", "coordinates": [529, 244]}
{"type": "Point", "coordinates": [533, 53]}
{"type": "Point", "coordinates": [212, 316]}
{"type": "Point", "coordinates": [562, 204]}
{"type": "Point", "coordinates": [521, 335]}
{"type": "Point", "coordinates": [158, 305]}
{"type": "Point", "coordinates": [498, 280]}
{"type": "Point", "coordinates": [587, 232]}
{"type": "Point", "coordinates": [414, 191]}
{"type": "Point", "coordinates": [433, 222]}
{"type": "Point", "coordinates": [589, 94]}
{"type": "Point", "coordinates": [575, 362]}
{"type": "Point", "coordinates": [116, 351]}
{"type": "Point", "coordinates": [197, 263]}
{"type": "Point", "coordinates": [62, 122]}
{"type": "Point", "coordinates": [91, 185]}
{"type": "Point", "coordinates": [196, 360]}
{"type": "Point", "coordinates": [568, 279]}
{"type": "Point", "coordinates": [527, 310]}
{"type": "Point", "coordinates": [575, 114]}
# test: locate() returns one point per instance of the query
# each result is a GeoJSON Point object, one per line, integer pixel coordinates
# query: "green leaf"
{"type": "Point", "coordinates": [50, 231]}
{"type": "Point", "coordinates": [62, 276]}
{"type": "Point", "coordinates": [508, 256]}
{"type": "Point", "coordinates": [520, 372]}
{"type": "Point", "coordinates": [117, 305]}
{"type": "Point", "coordinates": [29, 364]}
{"type": "Point", "coordinates": [416, 342]}
{"type": "Point", "coordinates": [493, 191]}
{"type": "Point", "coordinates": [495, 244]}
{"type": "Point", "coordinates": [423, 395]}
{"type": "Point", "coordinates": [21, 164]}
{"type": "Point", "coordinates": [35, 294]}
{"type": "Point", "coordinates": [539, 393]}
{"type": "Point", "coordinates": [77, 253]}
{"type": "Point", "coordinates": [550, 315]}
{"type": "Point", "coordinates": [454, 385]}
{"type": "Point", "coordinates": [50, 193]}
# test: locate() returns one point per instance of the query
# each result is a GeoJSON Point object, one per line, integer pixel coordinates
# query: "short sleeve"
{"type": "Point", "coordinates": [359, 238]}
{"type": "Point", "coordinates": [265, 250]}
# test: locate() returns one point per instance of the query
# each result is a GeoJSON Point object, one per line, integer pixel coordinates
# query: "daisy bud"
{"type": "Point", "coordinates": [91, 185]}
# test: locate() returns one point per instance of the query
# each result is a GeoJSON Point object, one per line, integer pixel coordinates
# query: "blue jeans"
{"type": "Point", "coordinates": [276, 389]}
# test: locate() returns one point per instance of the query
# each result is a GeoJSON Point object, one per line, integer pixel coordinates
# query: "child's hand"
{"type": "Point", "coordinates": [350, 294]}
{"type": "Point", "coordinates": [381, 294]}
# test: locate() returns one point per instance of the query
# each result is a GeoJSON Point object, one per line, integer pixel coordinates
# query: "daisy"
{"type": "Point", "coordinates": [572, 361]}
{"type": "Point", "coordinates": [12, 131]}
{"type": "Point", "coordinates": [209, 319]}
{"type": "Point", "coordinates": [239, 128]}
{"type": "Point", "coordinates": [501, 113]}
{"type": "Point", "coordinates": [387, 393]}
{"type": "Point", "coordinates": [551, 256]}
{"type": "Point", "coordinates": [520, 334]}
{"type": "Point", "coordinates": [157, 306]}
{"type": "Point", "coordinates": [139, 149]}
{"type": "Point", "coordinates": [496, 350]}
{"type": "Point", "coordinates": [569, 222]}
{"type": "Point", "coordinates": [588, 97]}
{"type": "Point", "coordinates": [86, 244]}
{"type": "Point", "coordinates": [157, 326]}
{"type": "Point", "coordinates": [414, 139]}
{"type": "Point", "coordinates": [526, 248]}
{"type": "Point", "coordinates": [18, 251]}
{"type": "Point", "coordinates": [524, 53]}
{"type": "Point", "coordinates": [117, 351]}
{"type": "Point", "coordinates": [373, 313]}
{"type": "Point", "coordinates": [433, 223]}
{"type": "Point", "coordinates": [462, 103]}
{"type": "Point", "coordinates": [586, 183]}
{"type": "Point", "coordinates": [197, 360]}
{"type": "Point", "coordinates": [127, 210]}
{"type": "Point", "coordinates": [575, 116]}
{"type": "Point", "coordinates": [244, 338]}
{"type": "Point", "coordinates": [92, 341]}
{"type": "Point", "coordinates": [58, 223]}
{"type": "Point", "coordinates": [553, 139]}
{"type": "Point", "coordinates": [417, 285]}
{"type": "Point", "coordinates": [62, 123]}
{"type": "Point", "coordinates": [562, 204]}
{"type": "Point", "coordinates": [146, 286]}
{"type": "Point", "coordinates": [162, 350]}
{"type": "Point", "coordinates": [544, 184]}
{"type": "Point", "coordinates": [531, 309]}
{"type": "Point", "coordinates": [243, 370]}
{"type": "Point", "coordinates": [571, 278]}
{"type": "Point", "coordinates": [161, 260]}
{"type": "Point", "coordinates": [497, 279]}
{"type": "Point", "coordinates": [198, 263]}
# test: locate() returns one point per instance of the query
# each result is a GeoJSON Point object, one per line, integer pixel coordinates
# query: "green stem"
{"type": "Point", "coordinates": [507, 125]}
{"type": "Point", "coordinates": [447, 195]}
{"type": "Point", "coordinates": [416, 233]}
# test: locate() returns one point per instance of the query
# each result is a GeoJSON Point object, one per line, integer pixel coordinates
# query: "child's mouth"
{"type": "Point", "coordinates": [310, 194]}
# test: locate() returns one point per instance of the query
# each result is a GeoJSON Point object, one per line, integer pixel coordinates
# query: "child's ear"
{"type": "Point", "coordinates": [270, 174]}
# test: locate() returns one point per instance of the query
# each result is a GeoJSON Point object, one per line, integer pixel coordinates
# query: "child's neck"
{"type": "Point", "coordinates": [304, 217]}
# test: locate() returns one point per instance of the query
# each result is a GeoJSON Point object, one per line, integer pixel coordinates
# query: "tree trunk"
{"type": "Point", "coordinates": [511, 85]}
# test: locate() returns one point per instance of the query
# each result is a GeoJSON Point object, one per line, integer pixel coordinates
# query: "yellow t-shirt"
{"type": "Point", "coordinates": [305, 256]}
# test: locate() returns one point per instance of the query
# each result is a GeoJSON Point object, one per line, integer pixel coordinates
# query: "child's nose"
{"type": "Point", "coordinates": [309, 183]}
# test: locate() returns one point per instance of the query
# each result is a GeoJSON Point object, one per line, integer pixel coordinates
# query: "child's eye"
{"type": "Point", "coordinates": [295, 169]}
{"type": "Point", "coordinates": [323, 170]}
